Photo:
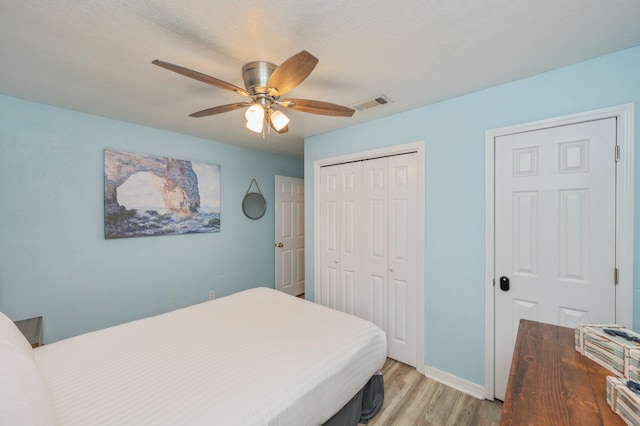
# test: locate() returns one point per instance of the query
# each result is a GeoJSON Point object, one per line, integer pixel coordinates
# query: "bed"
{"type": "Point", "coordinates": [258, 357]}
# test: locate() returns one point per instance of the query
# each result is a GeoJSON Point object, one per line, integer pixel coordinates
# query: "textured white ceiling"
{"type": "Point", "coordinates": [95, 55]}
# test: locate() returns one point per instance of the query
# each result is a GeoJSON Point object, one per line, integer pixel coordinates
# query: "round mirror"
{"type": "Point", "coordinates": [254, 205]}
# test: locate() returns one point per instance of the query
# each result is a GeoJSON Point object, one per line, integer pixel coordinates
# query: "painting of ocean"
{"type": "Point", "coordinates": [147, 195]}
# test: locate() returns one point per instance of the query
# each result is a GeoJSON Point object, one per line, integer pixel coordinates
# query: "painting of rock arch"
{"type": "Point", "coordinates": [148, 195]}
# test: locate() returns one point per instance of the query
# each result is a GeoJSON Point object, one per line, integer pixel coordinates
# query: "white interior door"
{"type": "Point", "coordinates": [340, 241]}
{"type": "Point", "coordinates": [369, 245]}
{"type": "Point", "coordinates": [289, 235]}
{"type": "Point", "coordinates": [330, 238]}
{"type": "Point", "coordinates": [350, 259]}
{"type": "Point", "coordinates": [375, 242]}
{"type": "Point", "coordinates": [554, 231]}
{"type": "Point", "coordinates": [402, 261]}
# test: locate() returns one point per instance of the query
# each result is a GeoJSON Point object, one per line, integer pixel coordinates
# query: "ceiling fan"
{"type": "Point", "coordinates": [264, 84]}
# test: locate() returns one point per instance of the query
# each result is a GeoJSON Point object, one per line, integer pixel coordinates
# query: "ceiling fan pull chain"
{"type": "Point", "coordinates": [263, 128]}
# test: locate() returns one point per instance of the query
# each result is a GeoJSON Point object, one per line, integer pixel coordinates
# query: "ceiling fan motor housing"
{"type": "Point", "coordinates": [256, 75]}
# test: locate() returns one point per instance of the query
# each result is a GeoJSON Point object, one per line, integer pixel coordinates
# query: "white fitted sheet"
{"type": "Point", "coordinates": [258, 357]}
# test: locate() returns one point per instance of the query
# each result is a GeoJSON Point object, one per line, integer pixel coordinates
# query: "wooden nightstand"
{"type": "Point", "coordinates": [32, 330]}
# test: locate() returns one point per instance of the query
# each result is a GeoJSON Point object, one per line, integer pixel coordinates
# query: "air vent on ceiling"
{"type": "Point", "coordinates": [376, 101]}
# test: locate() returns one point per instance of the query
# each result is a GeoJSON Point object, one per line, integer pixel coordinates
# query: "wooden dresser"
{"type": "Point", "coordinates": [550, 383]}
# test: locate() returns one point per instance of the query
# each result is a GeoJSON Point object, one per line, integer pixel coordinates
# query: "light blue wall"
{"type": "Point", "coordinates": [454, 133]}
{"type": "Point", "coordinates": [54, 260]}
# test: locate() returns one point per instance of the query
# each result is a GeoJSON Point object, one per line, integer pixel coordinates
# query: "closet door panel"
{"type": "Point", "coordinates": [350, 242]}
{"type": "Point", "coordinates": [398, 300]}
{"type": "Point", "coordinates": [376, 301]}
{"type": "Point", "coordinates": [341, 236]}
{"type": "Point", "coordinates": [330, 238]}
{"type": "Point", "coordinates": [368, 243]}
{"type": "Point", "coordinates": [402, 265]}
{"type": "Point", "coordinates": [374, 241]}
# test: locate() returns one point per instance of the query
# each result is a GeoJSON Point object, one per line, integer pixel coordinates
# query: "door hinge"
{"type": "Point", "coordinates": [615, 276]}
{"type": "Point", "coordinates": [617, 153]}
{"type": "Point", "coordinates": [494, 282]}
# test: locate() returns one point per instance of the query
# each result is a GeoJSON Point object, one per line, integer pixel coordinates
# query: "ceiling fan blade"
{"type": "Point", "coordinates": [292, 72]}
{"type": "Point", "coordinates": [200, 77]}
{"type": "Point", "coordinates": [317, 107]}
{"type": "Point", "coordinates": [220, 109]}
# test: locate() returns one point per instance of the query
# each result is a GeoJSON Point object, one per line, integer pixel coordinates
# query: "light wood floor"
{"type": "Point", "coordinates": [412, 399]}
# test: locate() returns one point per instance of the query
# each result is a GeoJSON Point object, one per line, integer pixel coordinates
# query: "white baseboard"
{"type": "Point", "coordinates": [455, 382]}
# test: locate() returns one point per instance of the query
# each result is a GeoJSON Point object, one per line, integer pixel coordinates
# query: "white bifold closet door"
{"type": "Point", "coordinates": [368, 243]}
{"type": "Point", "coordinates": [340, 239]}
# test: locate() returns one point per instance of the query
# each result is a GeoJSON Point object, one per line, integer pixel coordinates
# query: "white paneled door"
{"type": "Point", "coordinates": [389, 242]}
{"type": "Point", "coordinates": [368, 246]}
{"type": "Point", "coordinates": [289, 235]}
{"type": "Point", "coordinates": [555, 223]}
{"type": "Point", "coordinates": [375, 264]}
{"type": "Point", "coordinates": [341, 241]}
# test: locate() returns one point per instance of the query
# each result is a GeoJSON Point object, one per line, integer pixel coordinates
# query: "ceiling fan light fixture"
{"type": "Point", "coordinates": [279, 120]}
{"type": "Point", "coordinates": [255, 118]}
{"type": "Point", "coordinates": [264, 84]}
{"type": "Point", "coordinates": [255, 126]}
{"type": "Point", "coordinates": [254, 112]}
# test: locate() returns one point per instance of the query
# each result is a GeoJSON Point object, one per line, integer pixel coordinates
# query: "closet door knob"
{"type": "Point", "coordinates": [391, 269]}
{"type": "Point", "coordinates": [336, 261]}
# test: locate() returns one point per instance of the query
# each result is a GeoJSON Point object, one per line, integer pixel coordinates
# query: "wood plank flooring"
{"type": "Point", "coordinates": [412, 399]}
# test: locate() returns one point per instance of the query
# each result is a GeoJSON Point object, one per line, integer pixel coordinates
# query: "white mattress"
{"type": "Point", "coordinates": [258, 357]}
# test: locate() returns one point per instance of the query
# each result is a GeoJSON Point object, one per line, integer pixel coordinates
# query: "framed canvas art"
{"type": "Point", "coordinates": [147, 195]}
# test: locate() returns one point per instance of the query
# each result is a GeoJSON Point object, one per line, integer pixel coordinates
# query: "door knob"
{"type": "Point", "coordinates": [504, 283]}
{"type": "Point", "coordinates": [279, 245]}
